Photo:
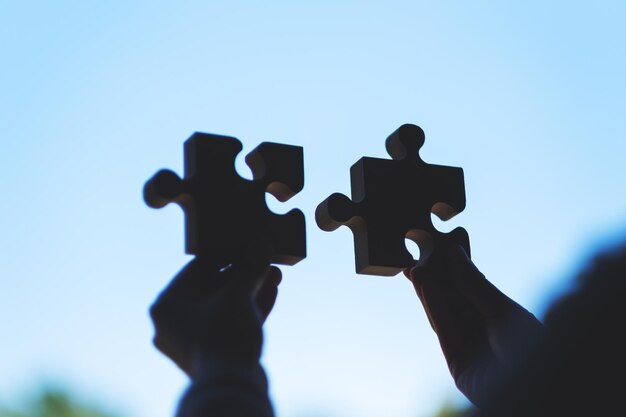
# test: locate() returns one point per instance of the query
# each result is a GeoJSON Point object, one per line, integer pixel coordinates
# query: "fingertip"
{"type": "Point", "coordinates": [268, 291]}
{"type": "Point", "coordinates": [156, 342]}
{"type": "Point", "coordinates": [274, 275]}
{"type": "Point", "coordinates": [418, 273]}
{"type": "Point", "coordinates": [456, 253]}
{"type": "Point", "coordinates": [459, 260]}
{"type": "Point", "coordinates": [407, 273]}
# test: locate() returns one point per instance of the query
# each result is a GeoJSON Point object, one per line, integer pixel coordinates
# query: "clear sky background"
{"type": "Point", "coordinates": [528, 97]}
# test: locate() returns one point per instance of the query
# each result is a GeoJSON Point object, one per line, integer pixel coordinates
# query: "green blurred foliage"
{"type": "Point", "coordinates": [57, 402]}
{"type": "Point", "coordinates": [54, 402]}
{"type": "Point", "coordinates": [448, 410]}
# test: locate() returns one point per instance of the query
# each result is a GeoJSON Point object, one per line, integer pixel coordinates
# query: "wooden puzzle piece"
{"type": "Point", "coordinates": [225, 213]}
{"type": "Point", "coordinates": [393, 200]}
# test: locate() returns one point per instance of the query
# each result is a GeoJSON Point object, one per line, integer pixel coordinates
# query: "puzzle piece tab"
{"type": "Point", "coordinates": [225, 213]}
{"type": "Point", "coordinates": [393, 200]}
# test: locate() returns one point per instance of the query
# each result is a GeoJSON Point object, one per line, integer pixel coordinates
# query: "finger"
{"type": "Point", "coordinates": [472, 284]}
{"type": "Point", "coordinates": [172, 351]}
{"type": "Point", "coordinates": [266, 296]}
{"type": "Point", "coordinates": [196, 281]}
{"type": "Point", "coordinates": [417, 275]}
{"type": "Point", "coordinates": [244, 280]}
{"type": "Point", "coordinates": [407, 271]}
{"type": "Point", "coordinates": [248, 269]}
{"type": "Point", "coordinates": [459, 327]}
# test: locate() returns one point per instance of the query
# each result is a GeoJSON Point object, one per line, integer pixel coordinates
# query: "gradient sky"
{"type": "Point", "coordinates": [528, 97]}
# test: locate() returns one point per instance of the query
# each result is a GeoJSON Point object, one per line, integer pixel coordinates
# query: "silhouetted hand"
{"type": "Point", "coordinates": [210, 316]}
{"type": "Point", "coordinates": [485, 336]}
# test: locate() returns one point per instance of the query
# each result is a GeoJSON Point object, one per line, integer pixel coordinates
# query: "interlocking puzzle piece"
{"type": "Point", "coordinates": [225, 213]}
{"type": "Point", "coordinates": [393, 200]}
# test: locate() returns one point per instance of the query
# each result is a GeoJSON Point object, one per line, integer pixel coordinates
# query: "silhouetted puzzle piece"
{"type": "Point", "coordinates": [393, 200]}
{"type": "Point", "coordinates": [225, 213]}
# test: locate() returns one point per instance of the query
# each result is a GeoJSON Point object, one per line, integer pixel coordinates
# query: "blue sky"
{"type": "Point", "coordinates": [528, 97]}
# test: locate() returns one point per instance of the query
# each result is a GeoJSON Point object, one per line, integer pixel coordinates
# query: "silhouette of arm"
{"type": "Point", "coordinates": [484, 335]}
{"type": "Point", "coordinates": [228, 390]}
{"type": "Point", "coordinates": [208, 321]}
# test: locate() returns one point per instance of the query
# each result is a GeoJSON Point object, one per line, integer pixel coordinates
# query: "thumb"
{"type": "Point", "coordinates": [490, 302]}
{"type": "Point", "coordinates": [247, 271]}
{"type": "Point", "coordinates": [268, 291]}
{"type": "Point", "coordinates": [244, 279]}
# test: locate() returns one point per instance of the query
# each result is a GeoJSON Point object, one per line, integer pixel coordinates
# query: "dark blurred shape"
{"type": "Point", "coordinates": [55, 402]}
{"type": "Point", "coordinates": [579, 369]}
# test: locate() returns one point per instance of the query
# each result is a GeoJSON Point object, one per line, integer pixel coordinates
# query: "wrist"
{"type": "Point", "coordinates": [228, 373]}
{"type": "Point", "coordinates": [205, 367]}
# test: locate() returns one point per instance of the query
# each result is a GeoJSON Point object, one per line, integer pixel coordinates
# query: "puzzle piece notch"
{"type": "Point", "coordinates": [225, 213]}
{"type": "Point", "coordinates": [384, 210]}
